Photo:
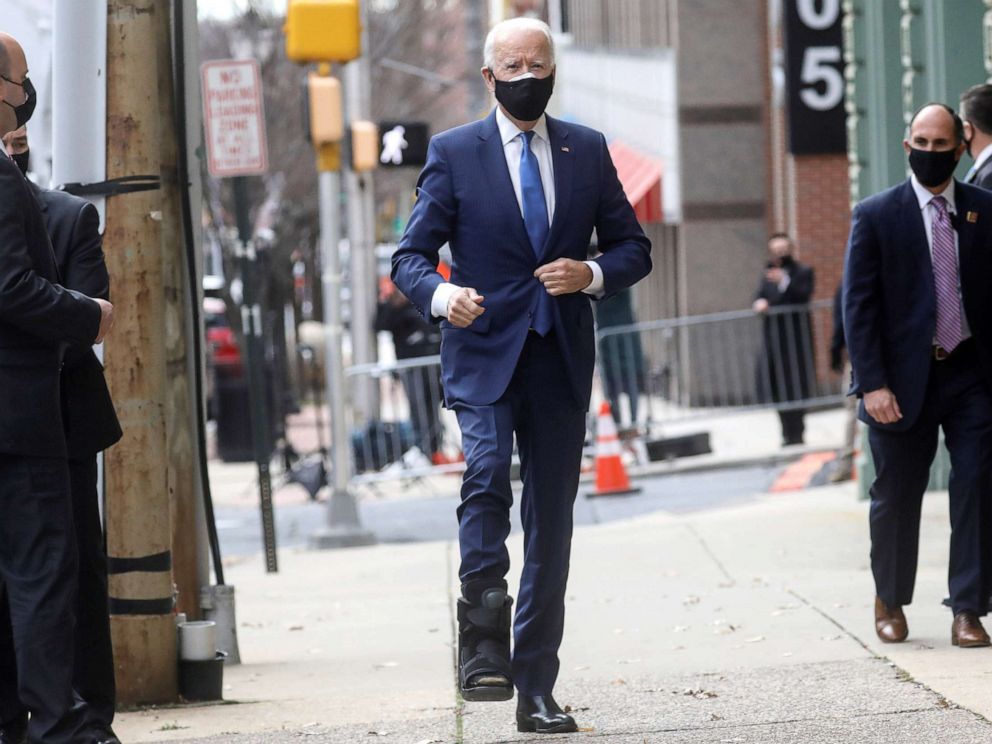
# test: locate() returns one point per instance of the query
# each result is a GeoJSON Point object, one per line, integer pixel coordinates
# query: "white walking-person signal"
{"type": "Point", "coordinates": [393, 144]}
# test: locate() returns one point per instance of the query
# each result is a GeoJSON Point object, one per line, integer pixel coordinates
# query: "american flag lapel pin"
{"type": "Point", "coordinates": [972, 217]}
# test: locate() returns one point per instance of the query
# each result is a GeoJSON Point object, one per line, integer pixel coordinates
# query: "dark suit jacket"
{"type": "Point", "coordinates": [73, 223]}
{"type": "Point", "coordinates": [465, 198]}
{"type": "Point", "coordinates": [983, 176]}
{"type": "Point", "coordinates": [786, 371]}
{"type": "Point", "coordinates": [889, 302]}
{"type": "Point", "coordinates": [37, 318]}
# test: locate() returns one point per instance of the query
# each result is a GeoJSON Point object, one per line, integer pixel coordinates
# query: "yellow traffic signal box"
{"type": "Point", "coordinates": [326, 115]}
{"type": "Point", "coordinates": [364, 146]}
{"type": "Point", "coordinates": [323, 30]}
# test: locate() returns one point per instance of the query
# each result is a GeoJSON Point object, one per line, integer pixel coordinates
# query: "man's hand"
{"type": "Point", "coordinates": [564, 276]}
{"type": "Point", "coordinates": [775, 276]}
{"type": "Point", "coordinates": [760, 305]}
{"type": "Point", "coordinates": [464, 306]}
{"type": "Point", "coordinates": [106, 319]}
{"type": "Point", "coordinates": [881, 405]}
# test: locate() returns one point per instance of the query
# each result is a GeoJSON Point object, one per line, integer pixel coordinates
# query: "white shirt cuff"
{"type": "Point", "coordinates": [439, 301]}
{"type": "Point", "coordinates": [595, 287]}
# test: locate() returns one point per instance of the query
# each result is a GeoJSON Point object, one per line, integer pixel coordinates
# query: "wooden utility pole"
{"type": "Point", "coordinates": [179, 409]}
{"type": "Point", "coordinates": [138, 514]}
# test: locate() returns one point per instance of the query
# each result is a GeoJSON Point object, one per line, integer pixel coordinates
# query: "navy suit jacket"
{"type": "Point", "coordinates": [889, 303]}
{"type": "Point", "coordinates": [465, 198]}
{"type": "Point", "coordinates": [73, 224]}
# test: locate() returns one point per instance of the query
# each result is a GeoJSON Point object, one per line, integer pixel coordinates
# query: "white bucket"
{"type": "Point", "coordinates": [198, 640]}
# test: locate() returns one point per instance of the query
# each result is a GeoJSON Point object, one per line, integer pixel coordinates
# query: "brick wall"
{"type": "Point", "coordinates": [821, 214]}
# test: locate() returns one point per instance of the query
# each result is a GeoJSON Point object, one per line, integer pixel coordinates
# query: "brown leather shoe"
{"type": "Point", "coordinates": [890, 623]}
{"type": "Point", "coordinates": [967, 631]}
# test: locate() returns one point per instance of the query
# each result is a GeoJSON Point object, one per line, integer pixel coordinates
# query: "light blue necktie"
{"type": "Point", "coordinates": [536, 224]}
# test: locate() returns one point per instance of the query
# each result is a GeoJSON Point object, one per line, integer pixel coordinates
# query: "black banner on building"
{"type": "Point", "coordinates": [814, 76]}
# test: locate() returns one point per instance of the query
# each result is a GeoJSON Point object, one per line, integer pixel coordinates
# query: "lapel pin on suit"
{"type": "Point", "coordinates": [565, 149]}
{"type": "Point", "coordinates": [972, 217]}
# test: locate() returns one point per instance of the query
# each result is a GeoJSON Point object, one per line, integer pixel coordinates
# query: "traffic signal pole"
{"type": "Point", "coordinates": [361, 233]}
{"type": "Point", "coordinates": [308, 40]}
{"type": "Point", "coordinates": [343, 529]}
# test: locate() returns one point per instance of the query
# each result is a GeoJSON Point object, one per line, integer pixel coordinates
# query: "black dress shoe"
{"type": "Point", "coordinates": [14, 732]}
{"type": "Point", "coordinates": [540, 714]}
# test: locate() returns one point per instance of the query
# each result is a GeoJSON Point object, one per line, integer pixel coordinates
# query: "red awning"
{"type": "Point", "coordinates": [640, 177]}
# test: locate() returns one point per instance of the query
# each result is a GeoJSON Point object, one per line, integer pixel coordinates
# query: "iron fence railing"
{"type": "Point", "coordinates": [653, 373]}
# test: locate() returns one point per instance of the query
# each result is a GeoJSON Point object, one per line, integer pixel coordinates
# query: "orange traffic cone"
{"type": "Point", "coordinates": [611, 476]}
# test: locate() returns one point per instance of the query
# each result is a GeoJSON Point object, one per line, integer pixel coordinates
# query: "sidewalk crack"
{"type": "Point", "coordinates": [709, 551]}
{"type": "Point", "coordinates": [453, 624]}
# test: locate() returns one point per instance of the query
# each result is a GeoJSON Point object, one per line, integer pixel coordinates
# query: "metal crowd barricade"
{"type": "Point", "coordinates": [412, 436]}
{"type": "Point", "coordinates": [662, 371]}
{"type": "Point", "coordinates": [715, 364]}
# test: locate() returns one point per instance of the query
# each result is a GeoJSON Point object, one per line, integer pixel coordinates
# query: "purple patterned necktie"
{"type": "Point", "coordinates": [945, 278]}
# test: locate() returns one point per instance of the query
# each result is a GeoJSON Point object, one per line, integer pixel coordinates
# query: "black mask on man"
{"type": "Point", "coordinates": [22, 160]}
{"type": "Point", "coordinates": [525, 99]}
{"type": "Point", "coordinates": [26, 109]}
{"type": "Point", "coordinates": [933, 167]}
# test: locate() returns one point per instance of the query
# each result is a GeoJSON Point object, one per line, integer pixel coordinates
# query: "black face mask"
{"type": "Point", "coordinates": [22, 160]}
{"type": "Point", "coordinates": [932, 167]}
{"type": "Point", "coordinates": [26, 109]}
{"type": "Point", "coordinates": [525, 99]}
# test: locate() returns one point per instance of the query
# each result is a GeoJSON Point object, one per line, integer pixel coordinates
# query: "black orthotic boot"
{"type": "Point", "coordinates": [484, 619]}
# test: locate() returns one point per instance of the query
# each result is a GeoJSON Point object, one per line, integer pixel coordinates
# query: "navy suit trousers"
{"type": "Point", "coordinates": [549, 423]}
{"type": "Point", "coordinates": [959, 400]}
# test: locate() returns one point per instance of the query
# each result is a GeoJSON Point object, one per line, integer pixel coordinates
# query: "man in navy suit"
{"type": "Point", "coordinates": [517, 197]}
{"type": "Point", "coordinates": [918, 325]}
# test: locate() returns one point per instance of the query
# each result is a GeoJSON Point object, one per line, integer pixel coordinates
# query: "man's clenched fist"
{"type": "Point", "coordinates": [464, 306]}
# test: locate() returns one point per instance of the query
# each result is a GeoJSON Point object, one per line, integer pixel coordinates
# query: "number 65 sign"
{"type": "Point", "coordinates": [814, 76]}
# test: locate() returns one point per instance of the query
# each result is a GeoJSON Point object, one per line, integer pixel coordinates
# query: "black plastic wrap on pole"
{"type": "Point", "coordinates": [179, 80]}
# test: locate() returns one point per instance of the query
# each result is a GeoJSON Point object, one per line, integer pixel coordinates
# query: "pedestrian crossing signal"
{"type": "Point", "coordinates": [403, 143]}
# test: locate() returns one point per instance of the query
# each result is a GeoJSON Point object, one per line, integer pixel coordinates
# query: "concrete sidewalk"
{"type": "Point", "coordinates": [749, 624]}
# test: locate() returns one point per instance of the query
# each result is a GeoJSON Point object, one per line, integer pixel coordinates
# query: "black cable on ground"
{"type": "Point", "coordinates": [179, 88]}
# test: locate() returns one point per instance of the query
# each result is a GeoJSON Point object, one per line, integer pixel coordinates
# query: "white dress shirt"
{"type": "Point", "coordinates": [513, 143]}
{"type": "Point", "coordinates": [924, 197]}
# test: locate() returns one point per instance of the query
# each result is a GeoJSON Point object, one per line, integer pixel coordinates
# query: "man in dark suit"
{"type": "Point", "coordinates": [38, 318]}
{"type": "Point", "coordinates": [918, 325]}
{"type": "Point", "coordinates": [517, 196]}
{"type": "Point", "coordinates": [976, 112]}
{"type": "Point", "coordinates": [91, 426]}
{"type": "Point", "coordinates": [785, 368]}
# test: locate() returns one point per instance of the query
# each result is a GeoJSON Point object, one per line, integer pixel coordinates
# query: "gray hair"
{"type": "Point", "coordinates": [4, 60]}
{"type": "Point", "coordinates": [515, 24]}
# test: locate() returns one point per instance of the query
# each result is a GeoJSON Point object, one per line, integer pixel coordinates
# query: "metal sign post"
{"type": "Point", "coordinates": [236, 147]}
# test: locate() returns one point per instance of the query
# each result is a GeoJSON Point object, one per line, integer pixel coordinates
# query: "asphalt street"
{"type": "Point", "coordinates": [428, 518]}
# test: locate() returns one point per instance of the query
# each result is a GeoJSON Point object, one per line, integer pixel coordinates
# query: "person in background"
{"type": "Point", "coordinates": [621, 360]}
{"type": "Point", "coordinates": [918, 325]}
{"type": "Point", "coordinates": [414, 337]}
{"type": "Point", "coordinates": [976, 115]}
{"type": "Point", "coordinates": [844, 466]}
{"type": "Point", "coordinates": [91, 426]}
{"type": "Point", "coordinates": [785, 366]}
